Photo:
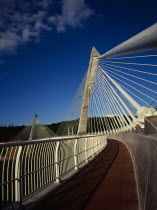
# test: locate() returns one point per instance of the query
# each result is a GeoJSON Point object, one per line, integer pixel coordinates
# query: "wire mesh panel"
{"type": "Point", "coordinates": [66, 156]}
{"type": "Point", "coordinates": [81, 150]}
{"type": "Point", "coordinates": [89, 147]}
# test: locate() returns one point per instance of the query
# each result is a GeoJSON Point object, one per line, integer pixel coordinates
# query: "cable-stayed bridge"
{"type": "Point", "coordinates": [116, 100]}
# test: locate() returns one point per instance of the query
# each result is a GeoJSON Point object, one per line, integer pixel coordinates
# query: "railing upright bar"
{"type": "Point", "coordinates": [31, 166]}
{"type": "Point", "coordinates": [57, 165]}
{"type": "Point", "coordinates": [24, 148]}
{"type": "Point", "coordinates": [12, 175]}
{"type": "Point", "coordinates": [34, 164]}
{"type": "Point", "coordinates": [75, 154]}
{"type": "Point", "coordinates": [17, 175]}
{"type": "Point", "coordinates": [47, 162]}
{"type": "Point", "coordinates": [20, 176]}
{"type": "Point", "coordinates": [7, 175]}
{"type": "Point", "coordinates": [38, 166]}
{"type": "Point", "coordinates": [52, 160]}
{"type": "Point", "coordinates": [28, 168]}
{"type": "Point", "coordinates": [3, 179]}
{"type": "Point", "coordinates": [44, 152]}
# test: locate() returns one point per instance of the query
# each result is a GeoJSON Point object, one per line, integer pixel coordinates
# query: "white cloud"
{"type": "Point", "coordinates": [73, 13]}
{"type": "Point", "coordinates": [39, 26]}
{"type": "Point", "coordinates": [27, 35]}
{"type": "Point", "coordinates": [45, 3]}
{"type": "Point", "coordinates": [23, 21]}
{"type": "Point", "coordinates": [9, 41]}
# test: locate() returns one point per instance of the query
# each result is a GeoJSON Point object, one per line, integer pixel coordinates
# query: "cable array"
{"type": "Point", "coordinates": [109, 110]}
{"type": "Point", "coordinates": [69, 126]}
{"type": "Point", "coordinates": [140, 81]}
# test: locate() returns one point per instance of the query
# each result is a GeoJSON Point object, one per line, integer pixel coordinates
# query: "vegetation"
{"type": "Point", "coordinates": [9, 133]}
{"type": "Point", "coordinates": [95, 124]}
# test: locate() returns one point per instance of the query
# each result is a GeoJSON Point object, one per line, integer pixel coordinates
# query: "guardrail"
{"type": "Point", "coordinates": [143, 149]}
{"type": "Point", "coordinates": [27, 167]}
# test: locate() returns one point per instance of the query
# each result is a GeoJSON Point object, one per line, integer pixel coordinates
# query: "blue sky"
{"type": "Point", "coordinates": [45, 47]}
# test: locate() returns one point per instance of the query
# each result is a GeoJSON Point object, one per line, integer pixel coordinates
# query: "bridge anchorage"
{"type": "Point", "coordinates": [118, 91]}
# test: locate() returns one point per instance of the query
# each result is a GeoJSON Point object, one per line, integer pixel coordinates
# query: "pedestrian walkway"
{"type": "Point", "coordinates": [107, 182]}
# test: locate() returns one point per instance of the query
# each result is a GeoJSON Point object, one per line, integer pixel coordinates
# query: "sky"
{"type": "Point", "coordinates": [45, 48]}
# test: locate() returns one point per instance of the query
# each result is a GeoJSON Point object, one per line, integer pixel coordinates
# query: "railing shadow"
{"type": "Point", "coordinates": [78, 191]}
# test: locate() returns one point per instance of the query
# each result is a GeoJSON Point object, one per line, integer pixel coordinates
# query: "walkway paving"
{"type": "Point", "coordinates": [107, 183]}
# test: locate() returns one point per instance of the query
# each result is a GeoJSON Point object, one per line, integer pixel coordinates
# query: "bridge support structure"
{"type": "Point", "coordinates": [145, 40]}
{"type": "Point", "coordinates": [82, 128]}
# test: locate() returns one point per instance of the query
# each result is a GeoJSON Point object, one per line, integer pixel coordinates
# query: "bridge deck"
{"type": "Point", "coordinates": [108, 182]}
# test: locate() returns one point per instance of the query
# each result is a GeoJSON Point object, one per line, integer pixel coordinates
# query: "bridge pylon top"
{"type": "Point", "coordinates": [94, 52]}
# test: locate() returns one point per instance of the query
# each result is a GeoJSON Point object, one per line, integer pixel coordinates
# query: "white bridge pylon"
{"type": "Point", "coordinates": [105, 99]}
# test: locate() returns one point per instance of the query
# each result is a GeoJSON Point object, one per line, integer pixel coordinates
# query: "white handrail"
{"type": "Point", "coordinates": [34, 164]}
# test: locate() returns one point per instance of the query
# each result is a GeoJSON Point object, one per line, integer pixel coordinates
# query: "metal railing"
{"type": "Point", "coordinates": [27, 167]}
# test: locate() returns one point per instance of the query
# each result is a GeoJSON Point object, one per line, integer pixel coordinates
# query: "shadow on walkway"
{"type": "Point", "coordinates": [86, 190]}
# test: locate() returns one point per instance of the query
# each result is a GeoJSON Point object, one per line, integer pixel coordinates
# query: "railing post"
{"type": "Point", "coordinates": [75, 154]}
{"type": "Point", "coordinates": [21, 181]}
{"type": "Point", "coordinates": [86, 156]}
{"type": "Point", "coordinates": [17, 176]}
{"type": "Point", "coordinates": [57, 179]}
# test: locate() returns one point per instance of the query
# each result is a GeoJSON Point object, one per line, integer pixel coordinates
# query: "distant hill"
{"type": "Point", "coordinates": [22, 133]}
{"type": "Point", "coordinates": [8, 133]}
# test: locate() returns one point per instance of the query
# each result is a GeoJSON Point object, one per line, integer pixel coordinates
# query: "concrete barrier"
{"type": "Point", "coordinates": [150, 125]}
{"type": "Point", "coordinates": [143, 150]}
